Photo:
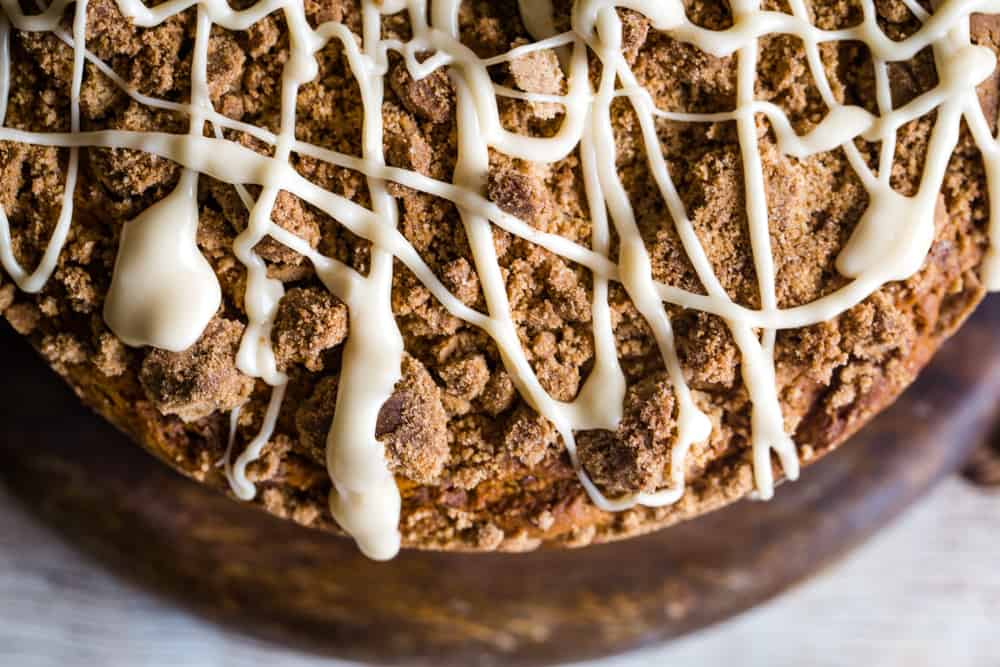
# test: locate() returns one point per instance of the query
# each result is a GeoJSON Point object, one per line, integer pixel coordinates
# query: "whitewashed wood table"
{"type": "Point", "coordinates": [926, 591]}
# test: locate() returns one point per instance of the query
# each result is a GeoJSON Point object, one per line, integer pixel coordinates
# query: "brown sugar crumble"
{"type": "Point", "coordinates": [309, 322]}
{"type": "Point", "coordinates": [201, 380]}
{"type": "Point", "coordinates": [477, 466]}
{"type": "Point", "coordinates": [429, 98]}
{"type": "Point", "coordinates": [632, 458]}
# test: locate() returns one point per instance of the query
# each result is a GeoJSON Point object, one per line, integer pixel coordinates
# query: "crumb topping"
{"type": "Point", "coordinates": [455, 430]}
{"type": "Point", "coordinates": [201, 380]}
{"type": "Point", "coordinates": [309, 322]}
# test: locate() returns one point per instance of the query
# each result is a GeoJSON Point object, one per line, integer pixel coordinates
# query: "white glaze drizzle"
{"type": "Point", "coordinates": [164, 293]}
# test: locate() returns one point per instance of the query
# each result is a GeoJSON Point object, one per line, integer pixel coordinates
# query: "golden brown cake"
{"type": "Point", "coordinates": [496, 274]}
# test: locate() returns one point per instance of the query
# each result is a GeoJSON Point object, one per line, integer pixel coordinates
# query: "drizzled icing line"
{"type": "Point", "coordinates": [890, 243]}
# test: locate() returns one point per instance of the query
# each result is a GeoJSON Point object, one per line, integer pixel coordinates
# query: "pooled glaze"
{"type": "Point", "coordinates": [163, 291]}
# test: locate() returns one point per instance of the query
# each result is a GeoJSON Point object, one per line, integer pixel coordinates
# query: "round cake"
{"type": "Point", "coordinates": [487, 275]}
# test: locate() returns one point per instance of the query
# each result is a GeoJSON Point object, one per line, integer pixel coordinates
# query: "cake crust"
{"type": "Point", "coordinates": [477, 467]}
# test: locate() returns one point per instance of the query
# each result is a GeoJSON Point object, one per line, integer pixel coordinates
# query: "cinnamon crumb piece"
{"type": "Point", "coordinates": [875, 328]}
{"type": "Point", "coordinates": [6, 297]}
{"type": "Point", "coordinates": [289, 212]}
{"type": "Point", "coordinates": [262, 36]}
{"type": "Point", "coordinates": [568, 296]}
{"type": "Point", "coordinates": [108, 33]}
{"type": "Point", "coordinates": [324, 11]}
{"type": "Point", "coordinates": [12, 159]}
{"type": "Point", "coordinates": [98, 94]}
{"type": "Point", "coordinates": [292, 214]}
{"type": "Point", "coordinates": [24, 317]}
{"type": "Point", "coordinates": [314, 416]}
{"type": "Point", "coordinates": [986, 29]}
{"type": "Point", "coordinates": [125, 172]}
{"type": "Point", "coordinates": [466, 378]}
{"type": "Point", "coordinates": [83, 297]}
{"type": "Point", "coordinates": [498, 394]}
{"type": "Point", "coordinates": [215, 237]}
{"type": "Point", "coordinates": [49, 306]}
{"type": "Point", "coordinates": [529, 436]}
{"type": "Point", "coordinates": [485, 32]}
{"type": "Point", "coordinates": [309, 322]}
{"type": "Point", "coordinates": [62, 349]}
{"type": "Point", "coordinates": [267, 467]}
{"type": "Point", "coordinates": [460, 277]}
{"type": "Point", "coordinates": [429, 98]}
{"type": "Point", "coordinates": [404, 145]}
{"type": "Point", "coordinates": [488, 536]}
{"type": "Point", "coordinates": [111, 357]}
{"type": "Point", "coordinates": [275, 502]}
{"type": "Point", "coordinates": [412, 425]}
{"type": "Point", "coordinates": [539, 72]}
{"type": "Point", "coordinates": [513, 192]}
{"type": "Point", "coordinates": [635, 29]}
{"type": "Point", "coordinates": [225, 66]}
{"type": "Point", "coordinates": [634, 457]}
{"type": "Point", "coordinates": [893, 11]}
{"type": "Point", "coordinates": [707, 351]}
{"type": "Point", "coordinates": [200, 380]}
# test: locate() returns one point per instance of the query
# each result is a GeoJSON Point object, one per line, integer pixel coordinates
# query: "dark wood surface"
{"type": "Point", "coordinates": [240, 567]}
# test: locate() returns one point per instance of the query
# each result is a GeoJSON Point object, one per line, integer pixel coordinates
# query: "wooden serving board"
{"type": "Point", "coordinates": [241, 567]}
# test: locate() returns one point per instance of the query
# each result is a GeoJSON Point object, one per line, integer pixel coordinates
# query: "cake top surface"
{"type": "Point", "coordinates": [454, 244]}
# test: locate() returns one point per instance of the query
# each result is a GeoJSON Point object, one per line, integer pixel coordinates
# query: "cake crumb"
{"type": "Point", "coordinates": [635, 29]}
{"type": "Point", "coordinates": [404, 146]}
{"type": "Point", "coordinates": [461, 278]}
{"type": "Point", "coordinates": [111, 357]}
{"type": "Point", "coordinates": [225, 66]}
{"type": "Point", "coordinates": [83, 296]}
{"type": "Point", "coordinates": [429, 98]}
{"type": "Point", "coordinates": [529, 436]}
{"type": "Point", "coordinates": [309, 322]}
{"type": "Point", "coordinates": [489, 536]}
{"type": "Point", "coordinates": [466, 378]}
{"type": "Point", "coordinates": [634, 457]}
{"type": "Point", "coordinates": [499, 393]}
{"type": "Point", "coordinates": [23, 317]}
{"type": "Point", "coordinates": [6, 296]}
{"type": "Point", "coordinates": [412, 425]}
{"type": "Point", "coordinates": [539, 72]}
{"type": "Point", "coordinates": [514, 192]}
{"type": "Point", "coordinates": [61, 350]}
{"type": "Point", "coordinates": [200, 380]}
